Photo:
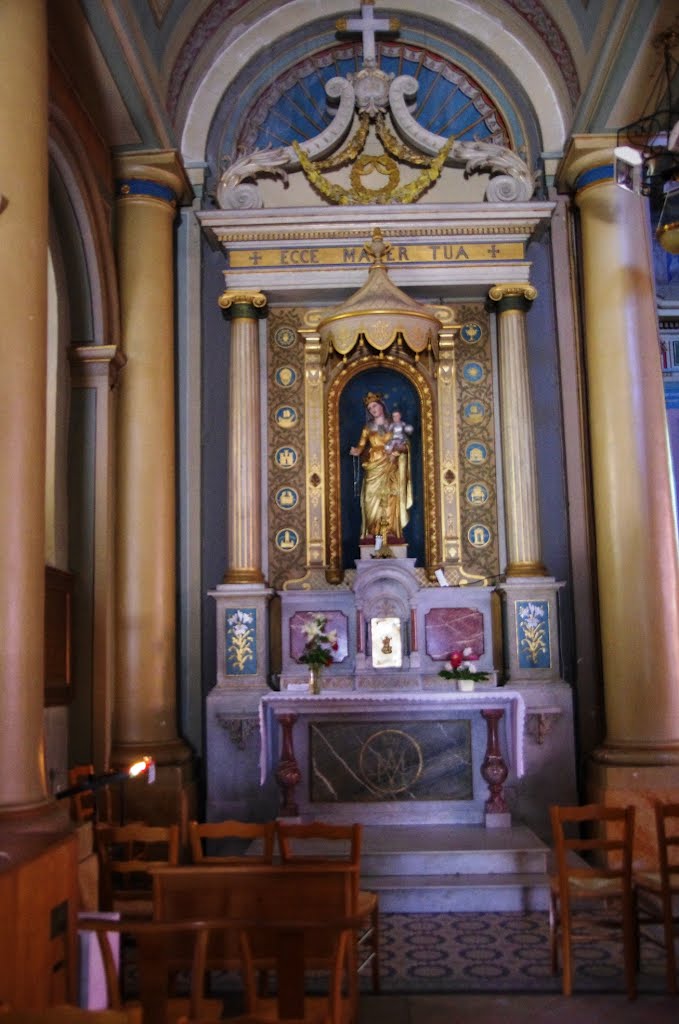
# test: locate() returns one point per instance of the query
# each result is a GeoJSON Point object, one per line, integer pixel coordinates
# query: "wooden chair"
{"type": "Point", "coordinates": [126, 855]}
{"type": "Point", "coordinates": [658, 891]}
{"type": "Point", "coordinates": [292, 947]}
{"type": "Point", "coordinates": [154, 948]}
{"type": "Point", "coordinates": [230, 836]}
{"type": "Point", "coordinates": [315, 842]}
{"type": "Point", "coordinates": [603, 882]}
{"type": "Point", "coordinates": [89, 805]}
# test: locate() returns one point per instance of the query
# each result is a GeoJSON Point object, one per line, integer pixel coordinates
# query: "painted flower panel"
{"type": "Point", "coordinates": [532, 634]}
{"type": "Point", "coordinates": [241, 642]}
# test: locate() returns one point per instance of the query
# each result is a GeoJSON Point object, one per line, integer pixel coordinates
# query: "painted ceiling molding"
{"type": "Point", "coordinates": [550, 33]}
{"type": "Point", "coordinates": [213, 25]}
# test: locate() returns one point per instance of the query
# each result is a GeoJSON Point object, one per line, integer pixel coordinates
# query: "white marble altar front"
{"type": "Point", "coordinates": [312, 771]}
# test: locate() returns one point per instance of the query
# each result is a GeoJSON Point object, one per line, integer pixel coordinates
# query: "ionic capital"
{"type": "Point", "coordinates": [243, 303]}
{"type": "Point", "coordinates": [513, 296]}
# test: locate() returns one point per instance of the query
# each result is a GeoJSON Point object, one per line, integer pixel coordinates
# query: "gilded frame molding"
{"type": "Point", "coordinates": [346, 373]}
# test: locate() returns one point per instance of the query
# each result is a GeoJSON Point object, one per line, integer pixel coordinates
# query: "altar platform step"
{"type": "Point", "coordinates": [455, 868]}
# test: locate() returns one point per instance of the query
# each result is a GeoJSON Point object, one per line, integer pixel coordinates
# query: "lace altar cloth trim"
{"type": "Point", "coordinates": [510, 701]}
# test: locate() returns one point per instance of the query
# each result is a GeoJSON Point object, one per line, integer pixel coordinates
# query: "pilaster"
{"type": "Point", "coordinates": [244, 524]}
{"type": "Point", "coordinates": [95, 371]}
{"type": "Point", "coordinates": [518, 433]}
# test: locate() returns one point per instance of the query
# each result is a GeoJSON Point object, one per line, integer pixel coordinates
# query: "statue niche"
{"type": "Point", "coordinates": [381, 471]}
{"type": "Point", "coordinates": [380, 501]}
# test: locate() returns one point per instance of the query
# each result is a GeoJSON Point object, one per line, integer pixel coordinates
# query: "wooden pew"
{"type": "Point", "coordinates": [313, 893]}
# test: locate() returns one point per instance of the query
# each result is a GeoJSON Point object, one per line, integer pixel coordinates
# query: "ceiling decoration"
{"type": "Point", "coordinates": [449, 102]}
{"type": "Point", "coordinates": [217, 21]}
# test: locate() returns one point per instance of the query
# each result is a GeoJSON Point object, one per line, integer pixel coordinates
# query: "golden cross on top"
{"type": "Point", "coordinates": [368, 25]}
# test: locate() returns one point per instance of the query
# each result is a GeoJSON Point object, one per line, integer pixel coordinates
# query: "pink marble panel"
{"type": "Point", "coordinates": [453, 629]}
{"type": "Point", "coordinates": [336, 620]}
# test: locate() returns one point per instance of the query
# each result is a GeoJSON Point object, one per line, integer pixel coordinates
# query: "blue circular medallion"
{"type": "Point", "coordinates": [478, 535]}
{"type": "Point", "coordinates": [287, 540]}
{"type": "Point", "coordinates": [477, 494]}
{"type": "Point", "coordinates": [287, 498]}
{"type": "Point", "coordinates": [286, 417]}
{"type": "Point", "coordinates": [286, 457]}
{"type": "Point", "coordinates": [285, 376]}
{"type": "Point", "coordinates": [471, 332]}
{"type": "Point", "coordinates": [473, 372]}
{"type": "Point", "coordinates": [285, 337]}
{"type": "Point", "coordinates": [476, 453]}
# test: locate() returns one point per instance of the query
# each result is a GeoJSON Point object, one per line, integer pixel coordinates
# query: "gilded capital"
{"type": "Point", "coordinates": [498, 292]}
{"type": "Point", "coordinates": [155, 175]}
{"type": "Point", "coordinates": [243, 303]}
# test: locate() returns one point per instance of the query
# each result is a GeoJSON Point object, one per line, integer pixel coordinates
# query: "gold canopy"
{"type": "Point", "coordinates": [380, 312]}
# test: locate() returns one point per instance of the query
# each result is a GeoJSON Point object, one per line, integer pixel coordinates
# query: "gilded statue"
{"type": "Point", "coordinates": [386, 490]}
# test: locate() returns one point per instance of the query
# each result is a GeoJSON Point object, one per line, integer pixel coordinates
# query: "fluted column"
{"type": "Point", "coordinates": [145, 698]}
{"type": "Point", "coordinates": [23, 334]}
{"type": "Point", "coordinates": [635, 519]}
{"type": "Point", "coordinates": [244, 475]}
{"type": "Point", "coordinates": [522, 520]}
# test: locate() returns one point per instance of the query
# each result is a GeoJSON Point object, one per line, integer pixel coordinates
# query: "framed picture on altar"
{"type": "Point", "coordinates": [385, 636]}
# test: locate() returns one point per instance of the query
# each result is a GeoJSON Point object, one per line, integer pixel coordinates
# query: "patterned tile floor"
{"type": "Point", "coordinates": [508, 952]}
{"type": "Point", "coordinates": [495, 969]}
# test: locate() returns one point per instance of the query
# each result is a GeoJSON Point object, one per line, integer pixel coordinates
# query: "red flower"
{"type": "Point", "coordinates": [456, 659]}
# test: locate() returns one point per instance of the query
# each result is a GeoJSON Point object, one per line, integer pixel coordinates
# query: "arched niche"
{"type": "Point", "coordinates": [404, 383]}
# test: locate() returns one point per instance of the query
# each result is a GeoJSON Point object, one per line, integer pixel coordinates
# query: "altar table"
{"type": "Point", "coordinates": [411, 756]}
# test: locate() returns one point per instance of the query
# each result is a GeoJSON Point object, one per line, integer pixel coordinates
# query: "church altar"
{"type": "Point", "coordinates": [398, 454]}
{"type": "Point", "coordinates": [404, 758]}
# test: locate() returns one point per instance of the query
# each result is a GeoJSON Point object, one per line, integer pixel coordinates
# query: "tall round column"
{"type": "Point", "coordinates": [522, 520]}
{"type": "Point", "coordinates": [23, 280]}
{"type": "Point", "coordinates": [244, 523]}
{"type": "Point", "coordinates": [635, 519]}
{"type": "Point", "coordinates": [145, 697]}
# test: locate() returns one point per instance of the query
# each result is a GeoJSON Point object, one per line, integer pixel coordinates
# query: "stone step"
{"type": "Point", "coordinates": [446, 868]}
{"type": "Point", "coordinates": [468, 893]}
{"type": "Point", "coordinates": [450, 850]}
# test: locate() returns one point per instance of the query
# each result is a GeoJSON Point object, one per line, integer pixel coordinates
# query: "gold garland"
{"type": "Point", "coordinates": [360, 196]}
{"type": "Point", "coordinates": [350, 151]}
{"type": "Point", "coordinates": [396, 147]}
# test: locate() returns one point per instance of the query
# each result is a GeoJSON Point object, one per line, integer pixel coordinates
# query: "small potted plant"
{"type": "Point", "coordinates": [317, 653]}
{"type": "Point", "coordinates": [462, 669]}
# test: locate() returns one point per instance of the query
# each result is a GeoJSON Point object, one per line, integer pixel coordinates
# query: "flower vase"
{"type": "Point", "coordinates": [315, 678]}
{"type": "Point", "coordinates": [465, 685]}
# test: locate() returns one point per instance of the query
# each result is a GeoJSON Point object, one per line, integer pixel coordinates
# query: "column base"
{"type": "Point", "coordinates": [234, 576]}
{"type": "Point", "coordinates": [526, 569]}
{"type": "Point", "coordinates": [618, 785]}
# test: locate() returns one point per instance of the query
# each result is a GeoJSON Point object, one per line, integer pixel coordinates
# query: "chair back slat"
{"type": "Point", "coordinates": [230, 833]}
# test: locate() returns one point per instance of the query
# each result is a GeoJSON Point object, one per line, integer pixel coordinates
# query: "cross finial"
{"type": "Point", "coordinates": [368, 25]}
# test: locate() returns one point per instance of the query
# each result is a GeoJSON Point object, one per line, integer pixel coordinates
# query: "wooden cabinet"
{"type": "Point", "coordinates": [38, 918]}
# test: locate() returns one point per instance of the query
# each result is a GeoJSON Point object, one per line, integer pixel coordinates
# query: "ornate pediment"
{"type": "Point", "coordinates": [375, 133]}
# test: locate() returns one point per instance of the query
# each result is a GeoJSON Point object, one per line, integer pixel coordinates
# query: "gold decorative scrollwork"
{"type": "Point", "coordinates": [383, 163]}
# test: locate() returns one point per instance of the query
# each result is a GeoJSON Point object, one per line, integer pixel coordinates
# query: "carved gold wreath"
{"type": "Point", "coordinates": [382, 163]}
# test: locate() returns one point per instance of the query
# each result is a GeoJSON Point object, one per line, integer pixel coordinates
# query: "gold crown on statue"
{"type": "Point", "coordinates": [373, 396]}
